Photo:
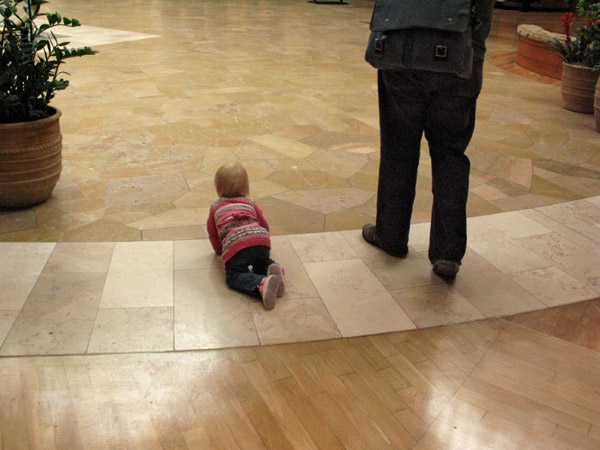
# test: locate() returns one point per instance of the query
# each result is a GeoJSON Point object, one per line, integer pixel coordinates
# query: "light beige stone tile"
{"type": "Point", "coordinates": [195, 254]}
{"type": "Point", "coordinates": [265, 188]}
{"type": "Point", "coordinates": [140, 275]}
{"type": "Point", "coordinates": [476, 206]}
{"type": "Point", "coordinates": [201, 184]}
{"type": "Point", "coordinates": [553, 286]}
{"type": "Point", "coordinates": [295, 178]}
{"type": "Point", "coordinates": [19, 220]}
{"type": "Point", "coordinates": [515, 170]}
{"type": "Point", "coordinates": [418, 238]}
{"type": "Point", "coordinates": [341, 164]}
{"type": "Point", "coordinates": [15, 289]}
{"type": "Point", "coordinates": [357, 302]}
{"type": "Point", "coordinates": [179, 217]}
{"type": "Point", "coordinates": [488, 192]}
{"type": "Point", "coordinates": [541, 188]}
{"type": "Point", "coordinates": [34, 235]}
{"type": "Point", "coordinates": [132, 330]}
{"type": "Point", "coordinates": [579, 262]}
{"type": "Point", "coordinates": [564, 231]}
{"type": "Point", "coordinates": [571, 153]}
{"type": "Point", "coordinates": [286, 147]}
{"type": "Point", "coordinates": [353, 218]}
{"type": "Point", "coordinates": [586, 210]}
{"type": "Point", "coordinates": [58, 316]}
{"type": "Point", "coordinates": [54, 219]}
{"type": "Point", "coordinates": [393, 273]}
{"type": "Point", "coordinates": [430, 306]}
{"type": "Point", "coordinates": [80, 257]}
{"type": "Point", "coordinates": [293, 320]}
{"type": "Point", "coordinates": [474, 264]}
{"type": "Point", "coordinates": [195, 199]}
{"type": "Point", "coordinates": [364, 180]}
{"type": "Point", "coordinates": [543, 173]}
{"type": "Point", "coordinates": [327, 201]}
{"type": "Point", "coordinates": [510, 117]}
{"type": "Point", "coordinates": [102, 231]}
{"type": "Point", "coordinates": [535, 201]}
{"type": "Point", "coordinates": [7, 319]}
{"type": "Point", "coordinates": [25, 258]}
{"type": "Point", "coordinates": [586, 187]}
{"type": "Point", "coordinates": [155, 189]}
{"type": "Point", "coordinates": [322, 247]}
{"type": "Point", "coordinates": [495, 294]}
{"type": "Point", "coordinates": [288, 218]}
{"type": "Point", "coordinates": [509, 255]}
{"type": "Point", "coordinates": [581, 216]}
{"type": "Point", "coordinates": [297, 282]}
{"type": "Point", "coordinates": [210, 315]}
{"type": "Point", "coordinates": [85, 205]}
{"type": "Point", "coordinates": [177, 233]}
{"type": "Point", "coordinates": [515, 224]}
{"type": "Point", "coordinates": [128, 214]}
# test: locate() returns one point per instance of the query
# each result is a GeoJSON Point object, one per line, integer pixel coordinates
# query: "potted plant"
{"type": "Point", "coordinates": [30, 140]}
{"type": "Point", "coordinates": [580, 51]}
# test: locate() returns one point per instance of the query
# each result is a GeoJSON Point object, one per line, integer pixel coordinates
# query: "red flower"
{"type": "Point", "coordinates": [589, 24]}
{"type": "Point", "coordinates": [568, 20]}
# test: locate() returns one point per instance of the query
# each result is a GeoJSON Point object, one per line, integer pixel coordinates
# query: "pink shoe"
{"type": "Point", "coordinates": [279, 272]}
{"type": "Point", "coordinates": [268, 288]}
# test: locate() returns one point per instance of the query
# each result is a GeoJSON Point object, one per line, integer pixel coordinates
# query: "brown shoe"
{"type": "Point", "coordinates": [369, 234]}
{"type": "Point", "coordinates": [445, 268]}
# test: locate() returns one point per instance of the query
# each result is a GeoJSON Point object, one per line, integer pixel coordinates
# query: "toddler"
{"type": "Point", "coordinates": [239, 232]}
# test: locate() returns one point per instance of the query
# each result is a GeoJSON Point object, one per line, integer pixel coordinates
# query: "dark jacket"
{"type": "Point", "coordinates": [483, 20]}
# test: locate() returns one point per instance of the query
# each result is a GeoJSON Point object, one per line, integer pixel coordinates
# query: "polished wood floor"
{"type": "Point", "coordinates": [493, 384]}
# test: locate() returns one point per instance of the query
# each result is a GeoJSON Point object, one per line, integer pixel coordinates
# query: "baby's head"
{"type": "Point", "coordinates": [231, 180]}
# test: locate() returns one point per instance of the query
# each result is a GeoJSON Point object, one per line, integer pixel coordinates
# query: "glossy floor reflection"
{"type": "Point", "coordinates": [495, 384]}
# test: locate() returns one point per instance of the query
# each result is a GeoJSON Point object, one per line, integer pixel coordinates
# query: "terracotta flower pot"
{"type": "Point", "coordinates": [30, 161]}
{"type": "Point", "coordinates": [577, 88]}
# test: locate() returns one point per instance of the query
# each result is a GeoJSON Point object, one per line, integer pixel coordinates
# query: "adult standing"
{"type": "Point", "coordinates": [441, 106]}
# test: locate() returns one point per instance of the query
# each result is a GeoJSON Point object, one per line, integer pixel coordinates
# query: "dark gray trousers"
{"type": "Point", "coordinates": [441, 106]}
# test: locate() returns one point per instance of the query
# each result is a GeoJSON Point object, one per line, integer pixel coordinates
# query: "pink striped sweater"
{"type": "Point", "coordinates": [235, 224]}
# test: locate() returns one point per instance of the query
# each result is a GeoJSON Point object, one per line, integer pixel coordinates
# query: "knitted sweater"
{"type": "Point", "coordinates": [235, 224]}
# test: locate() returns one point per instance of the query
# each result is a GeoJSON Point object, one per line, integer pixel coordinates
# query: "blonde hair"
{"type": "Point", "coordinates": [231, 180]}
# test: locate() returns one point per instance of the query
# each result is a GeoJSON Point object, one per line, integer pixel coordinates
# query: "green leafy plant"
{"type": "Point", "coordinates": [581, 46]}
{"type": "Point", "coordinates": [30, 59]}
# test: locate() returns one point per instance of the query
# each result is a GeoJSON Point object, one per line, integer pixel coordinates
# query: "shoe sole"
{"type": "Point", "coordinates": [275, 269]}
{"type": "Point", "coordinates": [270, 292]}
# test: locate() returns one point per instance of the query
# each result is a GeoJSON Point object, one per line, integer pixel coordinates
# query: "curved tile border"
{"type": "Point", "coordinates": [74, 298]}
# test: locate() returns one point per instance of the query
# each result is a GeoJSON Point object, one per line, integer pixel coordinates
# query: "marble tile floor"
{"type": "Point", "coordinates": [178, 88]}
{"type": "Point", "coordinates": [118, 297]}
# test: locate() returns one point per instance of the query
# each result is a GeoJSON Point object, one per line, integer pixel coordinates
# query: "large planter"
{"type": "Point", "coordinates": [578, 86]}
{"type": "Point", "coordinates": [534, 54]}
{"type": "Point", "coordinates": [30, 161]}
{"type": "Point", "coordinates": [597, 105]}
